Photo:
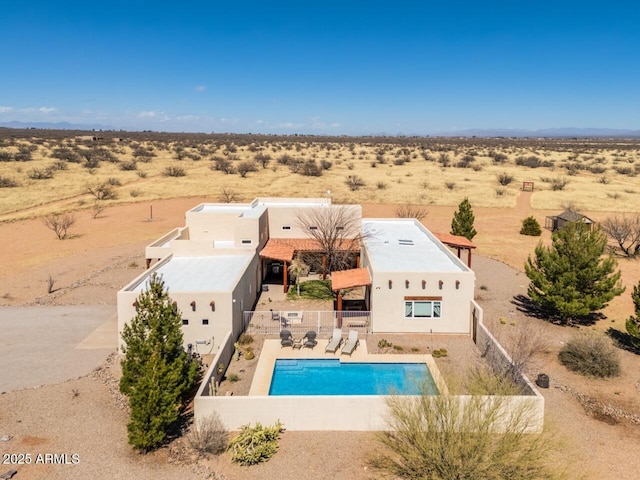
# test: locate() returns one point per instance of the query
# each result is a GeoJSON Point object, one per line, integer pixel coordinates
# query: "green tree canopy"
{"type": "Point", "coordinates": [156, 371]}
{"type": "Point", "coordinates": [462, 223]}
{"type": "Point", "coordinates": [633, 322]}
{"type": "Point", "coordinates": [572, 279]}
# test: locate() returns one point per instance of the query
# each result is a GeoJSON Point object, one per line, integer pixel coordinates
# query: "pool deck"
{"type": "Point", "coordinates": [272, 351]}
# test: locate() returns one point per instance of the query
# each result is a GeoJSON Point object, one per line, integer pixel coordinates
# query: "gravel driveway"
{"type": "Point", "coordinates": [44, 345]}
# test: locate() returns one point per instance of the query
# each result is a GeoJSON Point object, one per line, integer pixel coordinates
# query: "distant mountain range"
{"type": "Point", "coordinates": [545, 132]}
{"type": "Point", "coordinates": [57, 125]}
{"type": "Point", "coordinates": [469, 132]}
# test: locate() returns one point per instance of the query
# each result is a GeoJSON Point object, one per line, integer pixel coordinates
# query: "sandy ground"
{"type": "Point", "coordinates": [594, 419]}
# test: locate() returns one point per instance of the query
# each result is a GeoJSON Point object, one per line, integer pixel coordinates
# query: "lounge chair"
{"type": "Point", "coordinates": [351, 343]}
{"type": "Point", "coordinates": [335, 341]}
{"type": "Point", "coordinates": [309, 339]}
{"type": "Point", "coordinates": [286, 339]}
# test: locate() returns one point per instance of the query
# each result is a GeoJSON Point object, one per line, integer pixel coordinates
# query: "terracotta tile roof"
{"type": "Point", "coordinates": [284, 248]}
{"type": "Point", "coordinates": [454, 240]}
{"type": "Point", "coordinates": [356, 277]}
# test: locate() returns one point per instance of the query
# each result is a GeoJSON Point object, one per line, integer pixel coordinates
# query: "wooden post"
{"type": "Point", "coordinates": [285, 280]}
{"type": "Point", "coordinates": [339, 309]}
{"type": "Point", "coordinates": [148, 263]}
{"type": "Point", "coordinates": [324, 267]}
{"type": "Point", "coordinates": [469, 259]}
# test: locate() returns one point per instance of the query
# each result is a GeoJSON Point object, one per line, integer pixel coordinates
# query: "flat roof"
{"type": "Point", "coordinates": [214, 273]}
{"type": "Point", "coordinates": [405, 246]}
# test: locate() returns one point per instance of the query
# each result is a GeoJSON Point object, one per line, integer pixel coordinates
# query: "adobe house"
{"type": "Point", "coordinates": [556, 222]}
{"type": "Point", "coordinates": [215, 267]}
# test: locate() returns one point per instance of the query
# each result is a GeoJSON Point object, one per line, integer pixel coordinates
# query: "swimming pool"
{"type": "Point", "coordinates": [332, 377]}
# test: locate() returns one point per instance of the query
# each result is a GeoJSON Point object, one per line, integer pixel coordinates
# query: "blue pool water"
{"type": "Point", "coordinates": [330, 377]}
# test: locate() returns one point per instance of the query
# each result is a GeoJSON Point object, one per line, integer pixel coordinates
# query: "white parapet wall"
{"type": "Point", "coordinates": [341, 412]}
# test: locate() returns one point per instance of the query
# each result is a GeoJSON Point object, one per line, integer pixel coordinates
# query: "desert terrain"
{"type": "Point", "coordinates": [595, 421]}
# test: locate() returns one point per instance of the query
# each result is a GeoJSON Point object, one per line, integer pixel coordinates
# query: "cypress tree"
{"type": "Point", "coordinates": [462, 223]}
{"type": "Point", "coordinates": [156, 371]}
{"type": "Point", "coordinates": [571, 279]}
{"type": "Point", "coordinates": [633, 322]}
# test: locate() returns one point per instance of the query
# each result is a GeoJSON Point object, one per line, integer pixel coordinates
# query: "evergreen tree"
{"type": "Point", "coordinates": [156, 371]}
{"type": "Point", "coordinates": [462, 223]}
{"type": "Point", "coordinates": [571, 278]}
{"type": "Point", "coordinates": [530, 226]}
{"type": "Point", "coordinates": [633, 322]}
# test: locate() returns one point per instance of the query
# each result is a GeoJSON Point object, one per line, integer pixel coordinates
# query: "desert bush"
{"type": "Point", "coordinates": [66, 154]}
{"type": "Point", "coordinates": [381, 185]}
{"type": "Point", "coordinates": [114, 182]}
{"type": "Point", "coordinates": [255, 444]}
{"type": "Point", "coordinates": [102, 191]}
{"type": "Point", "coordinates": [311, 168]}
{"type": "Point", "coordinates": [174, 171]}
{"type": "Point", "coordinates": [531, 227]}
{"type": "Point", "coordinates": [354, 182]}
{"type": "Point", "coordinates": [444, 159]}
{"type": "Point", "coordinates": [450, 185]}
{"type": "Point", "coordinates": [40, 173]}
{"type": "Point", "coordinates": [245, 339]}
{"type": "Point", "coordinates": [532, 162]}
{"type": "Point", "coordinates": [128, 165]}
{"type": "Point", "coordinates": [59, 223]}
{"type": "Point", "coordinates": [227, 195]}
{"type": "Point", "coordinates": [625, 231]}
{"type": "Point", "coordinates": [245, 167]}
{"type": "Point", "coordinates": [263, 159]}
{"type": "Point", "coordinates": [411, 211]}
{"type": "Point", "coordinates": [6, 182]}
{"type": "Point", "coordinates": [285, 159]}
{"type": "Point", "coordinates": [465, 161]}
{"type": "Point", "coordinates": [224, 165]}
{"type": "Point", "coordinates": [484, 381]}
{"type": "Point", "coordinates": [448, 437]}
{"type": "Point", "coordinates": [591, 355]}
{"type": "Point", "coordinates": [597, 169]}
{"type": "Point", "coordinates": [505, 179]}
{"type": "Point", "coordinates": [624, 170]}
{"type": "Point", "coordinates": [5, 156]}
{"type": "Point", "coordinates": [498, 157]}
{"type": "Point", "coordinates": [325, 164]}
{"type": "Point", "coordinates": [295, 164]}
{"type": "Point", "coordinates": [558, 183]}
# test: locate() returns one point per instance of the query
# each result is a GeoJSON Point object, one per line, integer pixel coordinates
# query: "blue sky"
{"type": "Point", "coordinates": [322, 67]}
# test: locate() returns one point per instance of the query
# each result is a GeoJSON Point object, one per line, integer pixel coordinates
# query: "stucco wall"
{"type": "Point", "coordinates": [387, 304]}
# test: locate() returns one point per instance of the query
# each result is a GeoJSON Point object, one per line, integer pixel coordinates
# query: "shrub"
{"type": "Point", "coordinates": [40, 173]}
{"type": "Point", "coordinates": [174, 171]}
{"type": "Point", "coordinates": [6, 182]}
{"type": "Point", "coordinates": [505, 179]}
{"type": "Point", "coordinates": [246, 167]}
{"type": "Point", "coordinates": [128, 165]}
{"type": "Point", "coordinates": [384, 343]}
{"type": "Point", "coordinates": [255, 444]}
{"type": "Point", "coordinates": [245, 339]}
{"type": "Point", "coordinates": [59, 223]}
{"type": "Point", "coordinates": [411, 211]}
{"type": "Point", "coordinates": [590, 355]}
{"type": "Point", "coordinates": [439, 352]}
{"type": "Point", "coordinates": [208, 435]}
{"type": "Point", "coordinates": [233, 377]}
{"type": "Point", "coordinates": [531, 227]}
{"type": "Point", "coordinates": [558, 183]}
{"type": "Point", "coordinates": [102, 191]}
{"type": "Point", "coordinates": [250, 355]}
{"type": "Point", "coordinates": [224, 165]}
{"type": "Point", "coordinates": [354, 182]}
{"type": "Point", "coordinates": [450, 437]}
{"type": "Point", "coordinates": [311, 168]}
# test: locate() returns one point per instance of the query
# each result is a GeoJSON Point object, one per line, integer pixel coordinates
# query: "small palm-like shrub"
{"type": "Point", "coordinates": [531, 227]}
{"type": "Point", "coordinates": [255, 444]}
{"type": "Point", "coordinates": [590, 355]}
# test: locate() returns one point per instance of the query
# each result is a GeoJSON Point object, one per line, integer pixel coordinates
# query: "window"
{"type": "Point", "coordinates": [205, 321]}
{"type": "Point", "coordinates": [185, 321]}
{"type": "Point", "coordinates": [422, 309]}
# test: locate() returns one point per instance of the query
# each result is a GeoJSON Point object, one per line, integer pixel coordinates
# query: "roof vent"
{"type": "Point", "coordinates": [405, 242]}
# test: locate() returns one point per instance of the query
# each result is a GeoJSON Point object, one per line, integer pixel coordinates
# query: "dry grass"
{"type": "Point", "coordinates": [421, 180]}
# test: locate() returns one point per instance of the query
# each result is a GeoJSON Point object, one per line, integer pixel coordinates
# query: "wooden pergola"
{"type": "Point", "coordinates": [285, 249]}
{"type": "Point", "coordinates": [458, 242]}
{"type": "Point", "coordinates": [346, 279]}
